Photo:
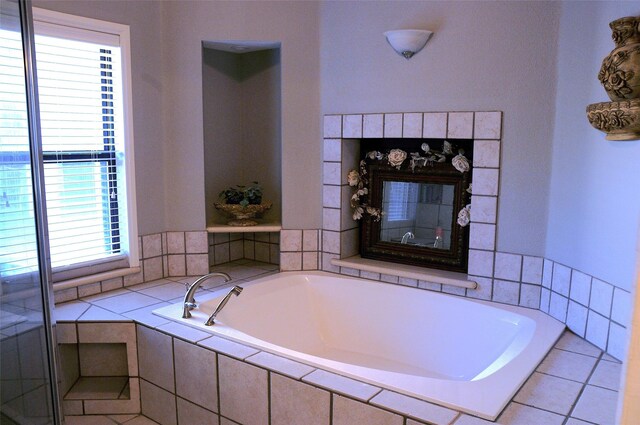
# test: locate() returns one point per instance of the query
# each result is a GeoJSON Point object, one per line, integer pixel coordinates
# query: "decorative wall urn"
{"type": "Point", "coordinates": [620, 76]}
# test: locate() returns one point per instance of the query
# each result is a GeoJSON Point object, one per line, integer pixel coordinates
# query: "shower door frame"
{"type": "Point", "coordinates": [50, 354]}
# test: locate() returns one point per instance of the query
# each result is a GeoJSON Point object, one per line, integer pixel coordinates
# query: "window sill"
{"type": "Point", "coordinates": [93, 278]}
{"type": "Point", "coordinates": [444, 277]}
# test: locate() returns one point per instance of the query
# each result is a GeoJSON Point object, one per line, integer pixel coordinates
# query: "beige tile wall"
{"type": "Point", "coordinates": [260, 246]}
{"type": "Point", "coordinates": [177, 254]}
{"type": "Point", "coordinates": [596, 310]}
{"type": "Point", "coordinates": [299, 249]}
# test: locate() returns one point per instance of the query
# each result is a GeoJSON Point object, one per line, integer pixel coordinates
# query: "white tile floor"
{"type": "Point", "coordinates": [576, 384]}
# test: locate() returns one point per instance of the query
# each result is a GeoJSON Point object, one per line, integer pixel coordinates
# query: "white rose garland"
{"type": "Point", "coordinates": [396, 157]}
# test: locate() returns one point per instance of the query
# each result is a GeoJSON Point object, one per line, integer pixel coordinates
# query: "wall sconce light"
{"type": "Point", "coordinates": [407, 42]}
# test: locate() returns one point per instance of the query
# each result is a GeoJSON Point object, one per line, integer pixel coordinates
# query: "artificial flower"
{"type": "Point", "coordinates": [460, 163]}
{"type": "Point", "coordinates": [447, 149]}
{"type": "Point", "coordinates": [396, 157]}
{"type": "Point", "coordinates": [357, 213]}
{"type": "Point", "coordinates": [464, 216]}
{"type": "Point", "coordinates": [353, 178]}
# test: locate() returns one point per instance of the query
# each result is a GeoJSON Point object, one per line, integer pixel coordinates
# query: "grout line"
{"type": "Point", "coordinates": [561, 377]}
{"type": "Point", "coordinates": [531, 406]}
{"type": "Point", "coordinates": [218, 407]}
{"type": "Point", "coordinates": [331, 397]}
{"type": "Point", "coordinates": [578, 352]}
{"type": "Point", "coordinates": [268, 395]}
{"type": "Point", "coordinates": [584, 385]}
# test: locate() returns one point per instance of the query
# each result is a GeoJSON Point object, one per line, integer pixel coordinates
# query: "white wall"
{"type": "Point", "coordinates": [222, 124]}
{"type": "Point", "coordinates": [262, 130]}
{"type": "Point", "coordinates": [167, 98]}
{"type": "Point", "coordinates": [482, 56]}
{"type": "Point", "coordinates": [144, 19]}
{"type": "Point", "coordinates": [295, 25]}
{"type": "Point", "coordinates": [242, 137]}
{"type": "Point", "coordinates": [594, 205]}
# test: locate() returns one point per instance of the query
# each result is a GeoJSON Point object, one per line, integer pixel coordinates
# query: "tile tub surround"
{"type": "Point", "coordinates": [177, 254]}
{"type": "Point", "coordinates": [404, 358]}
{"type": "Point", "coordinates": [300, 249]}
{"type": "Point", "coordinates": [291, 392]}
{"type": "Point", "coordinates": [593, 309]}
{"type": "Point", "coordinates": [345, 135]}
{"type": "Point", "coordinates": [259, 246]}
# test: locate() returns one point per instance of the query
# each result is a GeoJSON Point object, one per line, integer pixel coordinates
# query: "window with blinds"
{"type": "Point", "coordinates": [17, 235]}
{"type": "Point", "coordinates": [86, 150]}
{"type": "Point", "coordinates": [400, 201]}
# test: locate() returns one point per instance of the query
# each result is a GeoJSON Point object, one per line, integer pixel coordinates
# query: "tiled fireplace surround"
{"type": "Point", "coordinates": [595, 310]}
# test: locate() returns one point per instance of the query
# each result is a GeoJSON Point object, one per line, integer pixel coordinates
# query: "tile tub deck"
{"type": "Point", "coordinates": [576, 383]}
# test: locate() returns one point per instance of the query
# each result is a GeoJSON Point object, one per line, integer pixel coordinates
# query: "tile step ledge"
{"type": "Point", "coordinates": [444, 277]}
{"type": "Point", "coordinates": [99, 388]}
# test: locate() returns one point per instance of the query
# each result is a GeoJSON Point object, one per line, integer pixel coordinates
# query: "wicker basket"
{"type": "Point", "coordinates": [242, 215]}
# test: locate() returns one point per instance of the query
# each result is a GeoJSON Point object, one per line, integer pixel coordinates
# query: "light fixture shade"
{"type": "Point", "coordinates": [407, 42]}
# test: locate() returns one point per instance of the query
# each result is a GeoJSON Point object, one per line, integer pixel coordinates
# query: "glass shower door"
{"type": "Point", "coordinates": [28, 392]}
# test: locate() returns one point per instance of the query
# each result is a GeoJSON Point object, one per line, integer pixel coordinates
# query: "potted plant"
{"type": "Point", "coordinates": [243, 203]}
{"type": "Point", "coordinates": [243, 195]}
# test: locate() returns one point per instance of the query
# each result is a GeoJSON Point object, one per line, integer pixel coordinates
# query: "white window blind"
{"type": "Point", "coordinates": [78, 127]}
{"type": "Point", "coordinates": [85, 151]}
{"type": "Point", "coordinates": [17, 235]}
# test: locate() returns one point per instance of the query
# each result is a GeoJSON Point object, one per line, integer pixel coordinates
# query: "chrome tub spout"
{"type": "Point", "coordinates": [406, 237]}
{"type": "Point", "coordinates": [236, 290]}
{"type": "Point", "coordinates": [189, 300]}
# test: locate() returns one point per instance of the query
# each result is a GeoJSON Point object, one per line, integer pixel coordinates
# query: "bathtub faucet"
{"type": "Point", "coordinates": [189, 300]}
{"type": "Point", "coordinates": [406, 237]}
{"type": "Point", "coordinates": [236, 290]}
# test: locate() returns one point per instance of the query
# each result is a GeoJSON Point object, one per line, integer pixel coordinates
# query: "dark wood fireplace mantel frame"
{"type": "Point", "coordinates": [371, 245]}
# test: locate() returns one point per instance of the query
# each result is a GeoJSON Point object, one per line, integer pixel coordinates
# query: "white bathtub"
{"type": "Point", "coordinates": [464, 354]}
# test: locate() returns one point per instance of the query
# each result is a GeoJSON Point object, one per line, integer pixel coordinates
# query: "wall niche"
{"type": "Point", "coordinates": [241, 85]}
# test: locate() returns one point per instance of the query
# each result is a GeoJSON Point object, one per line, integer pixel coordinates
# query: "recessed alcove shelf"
{"type": "Point", "coordinates": [241, 94]}
{"type": "Point", "coordinates": [99, 368]}
{"type": "Point", "coordinates": [263, 227]}
{"type": "Point", "coordinates": [411, 272]}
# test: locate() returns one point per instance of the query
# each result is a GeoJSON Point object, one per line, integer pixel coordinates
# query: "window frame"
{"type": "Point", "coordinates": [62, 25]}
